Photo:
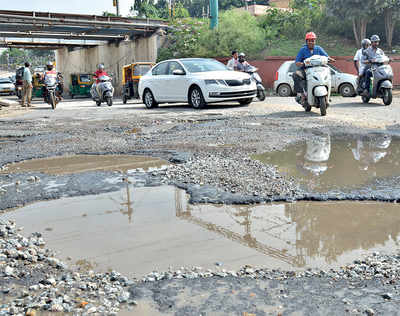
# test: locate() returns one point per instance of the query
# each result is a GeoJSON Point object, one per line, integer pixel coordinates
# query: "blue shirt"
{"type": "Point", "coordinates": [305, 53]}
{"type": "Point", "coordinates": [27, 75]}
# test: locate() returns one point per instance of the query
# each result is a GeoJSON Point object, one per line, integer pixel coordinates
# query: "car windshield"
{"type": "Point", "coordinates": [203, 65]}
{"type": "Point", "coordinates": [85, 78]}
{"type": "Point", "coordinates": [334, 68]}
{"type": "Point", "coordinates": [5, 81]}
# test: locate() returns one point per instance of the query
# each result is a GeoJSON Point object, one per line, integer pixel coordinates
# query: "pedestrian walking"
{"type": "Point", "coordinates": [27, 86]}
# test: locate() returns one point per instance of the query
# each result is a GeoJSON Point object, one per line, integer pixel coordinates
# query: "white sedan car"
{"type": "Point", "coordinates": [196, 81]}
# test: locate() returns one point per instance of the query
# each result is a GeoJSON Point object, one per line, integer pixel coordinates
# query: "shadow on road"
{"type": "Point", "coordinates": [293, 114]}
{"type": "Point", "coordinates": [357, 104]}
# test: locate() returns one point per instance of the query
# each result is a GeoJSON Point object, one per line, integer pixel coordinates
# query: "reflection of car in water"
{"type": "Point", "coordinates": [317, 153]}
{"type": "Point", "coordinates": [371, 149]}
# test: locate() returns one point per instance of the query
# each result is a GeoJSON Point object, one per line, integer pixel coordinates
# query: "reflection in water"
{"type": "Point", "coordinates": [326, 163]}
{"type": "Point", "coordinates": [161, 229]}
{"type": "Point", "coordinates": [309, 230]}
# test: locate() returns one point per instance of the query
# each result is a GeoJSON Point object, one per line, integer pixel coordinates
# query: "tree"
{"type": "Point", "coordinates": [359, 12]}
{"type": "Point", "coordinates": [391, 12]}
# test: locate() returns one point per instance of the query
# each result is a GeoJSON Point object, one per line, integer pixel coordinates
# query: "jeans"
{"type": "Point", "coordinates": [300, 83]}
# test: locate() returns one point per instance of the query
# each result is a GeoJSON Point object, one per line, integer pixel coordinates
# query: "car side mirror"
{"type": "Point", "coordinates": [178, 72]}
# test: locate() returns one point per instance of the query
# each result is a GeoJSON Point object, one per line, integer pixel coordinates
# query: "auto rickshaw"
{"type": "Point", "coordinates": [130, 79]}
{"type": "Point", "coordinates": [37, 85]}
{"type": "Point", "coordinates": [81, 84]}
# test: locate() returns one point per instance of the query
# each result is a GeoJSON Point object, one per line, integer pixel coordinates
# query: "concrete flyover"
{"type": "Point", "coordinates": [83, 41]}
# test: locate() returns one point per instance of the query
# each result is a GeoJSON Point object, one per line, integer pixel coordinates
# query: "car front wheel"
{"type": "Point", "coordinates": [196, 99]}
{"type": "Point", "coordinates": [284, 90]}
{"type": "Point", "coordinates": [148, 99]}
{"type": "Point", "coordinates": [347, 90]}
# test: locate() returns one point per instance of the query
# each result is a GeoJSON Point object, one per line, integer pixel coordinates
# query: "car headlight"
{"type": "Point", "coordinates": [213, 81]}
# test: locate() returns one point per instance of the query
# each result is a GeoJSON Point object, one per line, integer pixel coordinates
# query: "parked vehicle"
{"type": "Point", "coordinates": [252, 71]}
{"type": "Point", "coordinates": [343, 83]}
{"type": "Point", "coordinates": [50, 86]}
{"type": "Point", "coordinates": [381, 82]}
{"type": "Point", "coordinates": [37, 85]}
{"type": "Point", "coordinates": [19, 82]}
{"type": "Point", "coordinates": [81, 84]}
{"type": "Point", "coordinates": [131, 75]}
{"type": "Point", "coordinates": [197, 81]}
{"type": "Point", "coordinates": [318, 84]}
{"type": "Point", "coordinates": [105, 91]}
{"type": "Point", "coordinates": [7, 86]}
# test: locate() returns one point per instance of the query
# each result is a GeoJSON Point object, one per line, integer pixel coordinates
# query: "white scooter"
{"type": "Point", "coordinates": [252, 71]}
{"type": "Point", "coordinates": [105, 89]}
{"type": "Point", "coordinates": [318, 84]}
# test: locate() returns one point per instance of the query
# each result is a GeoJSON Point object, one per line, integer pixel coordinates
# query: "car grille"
{"type": "Point", "coordinates": [235, 94]}
{"type": "Point", "coordinates": [236, 83]}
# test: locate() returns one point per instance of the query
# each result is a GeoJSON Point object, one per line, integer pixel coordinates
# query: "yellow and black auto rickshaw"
{"type": "Point", "coordinates": [81, 84]}
{"type": "Point", "coordinates": [130, 79]}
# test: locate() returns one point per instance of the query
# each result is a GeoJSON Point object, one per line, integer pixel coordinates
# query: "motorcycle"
{"type": "Point", "coordinates": [318, 76]}
{"type": "Point", "coordinates": [252, 71]}
{"type": "Point", "coordinates": [104, 91]}
{"type": "Point", "coordinates": [51, 84]}
{"type": "Point", "coordinates": [381, 81]}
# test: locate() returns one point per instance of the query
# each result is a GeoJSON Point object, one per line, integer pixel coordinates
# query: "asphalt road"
{"type": "Point", "coordinates": [348, 110]}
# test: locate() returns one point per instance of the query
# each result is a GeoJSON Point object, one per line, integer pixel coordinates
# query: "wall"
{"type": "Point", "coordinates": [269, 66]}
{"type": "Point", "coordinates": [113, 56]}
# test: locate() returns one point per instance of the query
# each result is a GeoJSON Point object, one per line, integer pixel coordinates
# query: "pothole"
{"type": "Point", "coordinates": [324, 162]}
{"type": "Point", "coordinates": [138, 230]}
{"type": "Point", "coordinates": [83, 163]}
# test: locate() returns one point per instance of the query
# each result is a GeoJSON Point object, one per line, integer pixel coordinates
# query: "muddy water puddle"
{"type": "Point", "coordinates": [324, 162]}
{"type": "Point", "coordinates": [82, 163]}
{"type": "Point", "coordinates": [138, 230]}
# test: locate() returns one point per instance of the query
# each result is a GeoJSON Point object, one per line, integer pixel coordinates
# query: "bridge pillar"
{"type": "Point", "coordinates": [113, 55]}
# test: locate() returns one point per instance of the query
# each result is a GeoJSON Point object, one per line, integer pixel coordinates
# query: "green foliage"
{"type": "Point", "coordinates": [16, 56]}
{"type": "Point", "coordinates": [192, 37]}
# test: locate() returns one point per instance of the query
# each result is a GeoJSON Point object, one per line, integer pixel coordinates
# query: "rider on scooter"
{"type": "Point", "coordinates": [242, 64]}
{"type": "Point", "coordinates": [100, 72]}
{"type": "Point", "coordinates": [299, 77]}
{"type": "Point", "coordinates": [369, 55]}
{"type": "Point", "coordinates": [360, 65]}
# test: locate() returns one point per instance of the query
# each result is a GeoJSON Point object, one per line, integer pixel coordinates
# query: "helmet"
{"type": "Point", "coordinates": [242, 55]}
{"type": "Point", "coordinates": [375, 38]}
{"type": "Point", "coordinates": [311, 36]}
{"type": "Point", "coordinates": [49, 65]}
{"type": "Point", "coordinates": [365, 42]}
{"type": "Point", "coordinates": [101, 66]}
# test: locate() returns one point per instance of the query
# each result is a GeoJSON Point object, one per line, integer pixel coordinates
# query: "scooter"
{"type": "Point", "coordinates": [50, 97]}
{"type": "Point", "coordinates": [318, 84]}
{"type": "Point", "coordinates": [105, 89]}
{"type": "Point", "coordinates": [252, 71]}
{"type": "Point", "coordinates": [381, 81]}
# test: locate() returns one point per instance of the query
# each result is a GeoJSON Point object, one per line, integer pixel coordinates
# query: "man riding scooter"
{"type": "Point", "coordinates": [244, 66]}
{"type": "Point", "coordinates": [299, 77]}
{"type": "Point", "coordinates": [97, 75]}
{"type": "Point", "coordinates": [360, 65]}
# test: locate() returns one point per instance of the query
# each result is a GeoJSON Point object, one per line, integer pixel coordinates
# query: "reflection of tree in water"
{"type": "Point", "coordinates": [330, 229]}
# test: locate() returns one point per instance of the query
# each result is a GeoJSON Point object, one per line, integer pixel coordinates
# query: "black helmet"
{"type": "Point", "coordinates": [375, 38]}
{"type": "Point", "coordinates": [365, 42]}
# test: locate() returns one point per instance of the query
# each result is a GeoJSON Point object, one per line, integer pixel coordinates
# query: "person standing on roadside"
{"type": "Point", "coordinates": [27, 86]}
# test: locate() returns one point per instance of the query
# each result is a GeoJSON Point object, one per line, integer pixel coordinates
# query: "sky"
{"type": "Point", "coordinates": [67, 6]}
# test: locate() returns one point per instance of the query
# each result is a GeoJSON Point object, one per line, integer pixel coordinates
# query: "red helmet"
{"type": "Point", "coordinates": [311, 36]}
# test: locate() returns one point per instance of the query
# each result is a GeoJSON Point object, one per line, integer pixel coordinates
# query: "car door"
{"type": "Point", "coordinates": [334, 80]}
{"type": "Point", "coordinates": [177, 84]}
{"type": "Point", "coordinates": [157, 82]}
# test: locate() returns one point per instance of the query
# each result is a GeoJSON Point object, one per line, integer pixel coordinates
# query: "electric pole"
{"type": "Point", "coordinates": [116, 4]}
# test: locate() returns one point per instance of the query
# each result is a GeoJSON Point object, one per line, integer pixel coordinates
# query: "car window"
{"type": "Point", "coordinates": [334, 68]}
{"type": "Point", "coordinates": [292, 67]}
{"type": "Point", "coordinates": [202, 65]}
{"type": "Point", "coordinates": [160, 69]}
{"type": "Point", "coordinates": [5, 81]}
{"type": "Point", "coordinates": [140, 70]}
{"type": "Point", "coordinates": [173, 65]}
{"type": "Point", "coordinates": [85, 78]}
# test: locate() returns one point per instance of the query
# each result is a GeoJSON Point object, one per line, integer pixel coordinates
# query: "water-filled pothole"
{"type": "Point", "coordinates": [324, 163]}
{"type": "Point", "coordinates": [138, 230]}
{"type": "Point", "coordinates": [82, 163]}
